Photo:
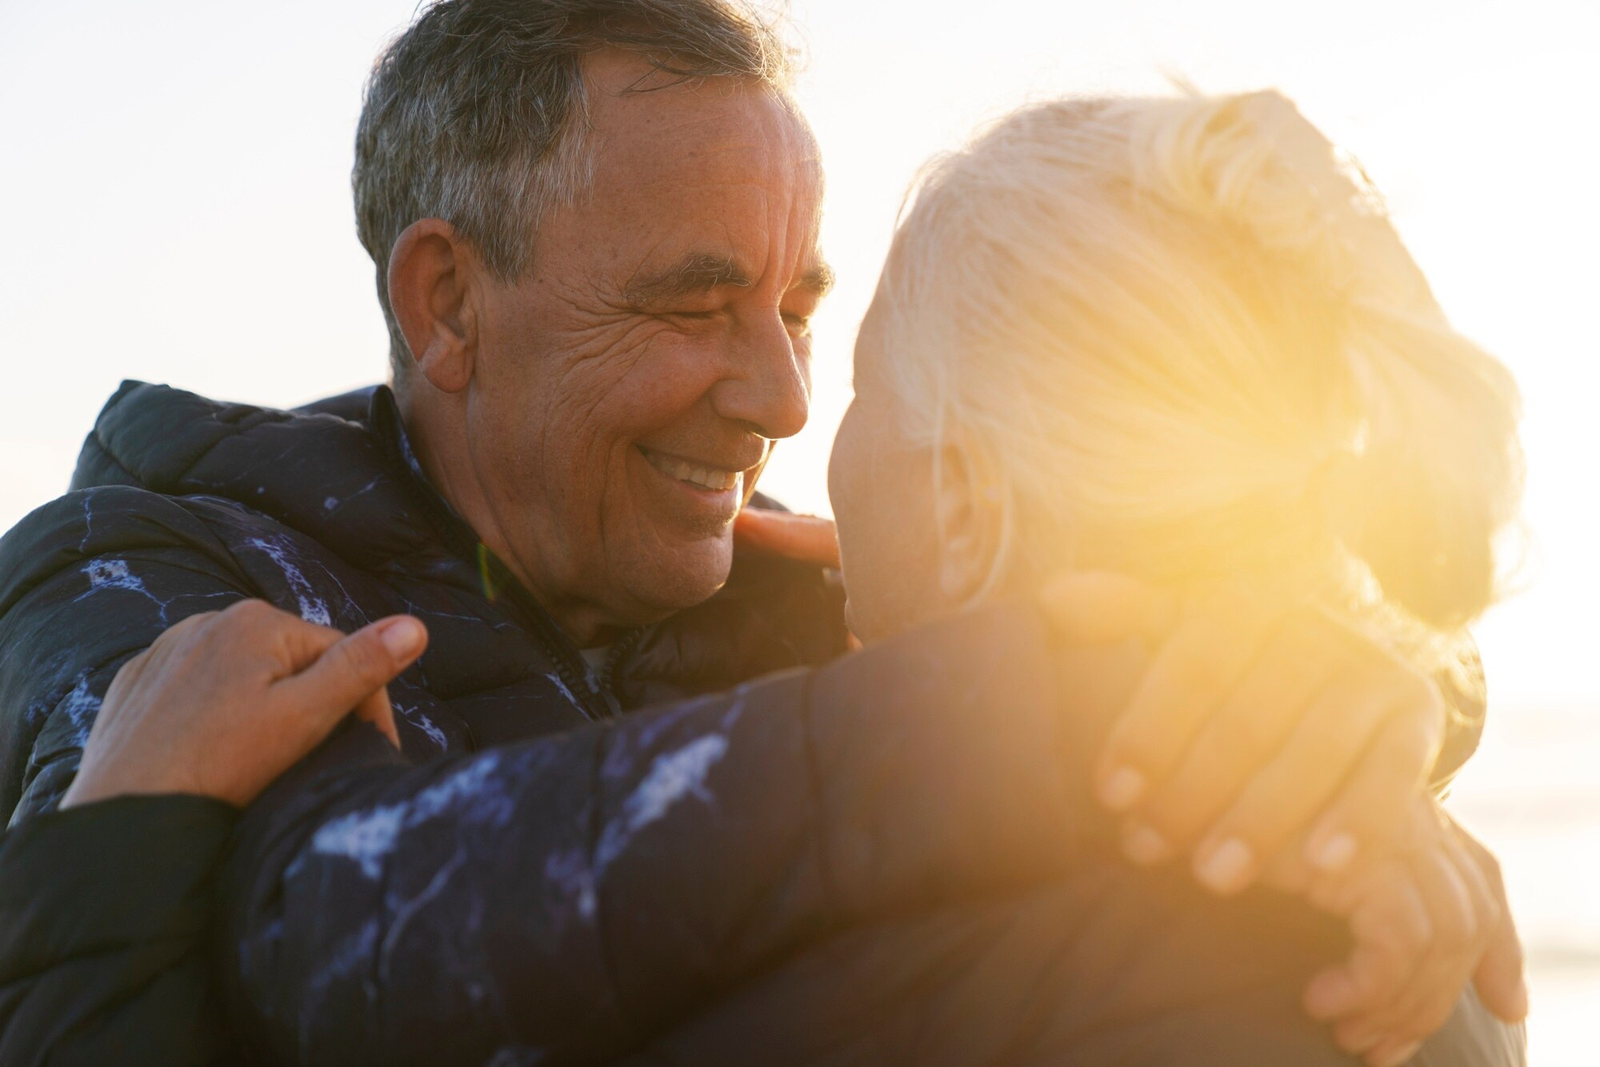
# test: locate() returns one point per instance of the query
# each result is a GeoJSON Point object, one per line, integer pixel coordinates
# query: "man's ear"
{"type": "Point", "coordinates": [432, 272]}
{"type": "Point", "coordinates": [970, 511]}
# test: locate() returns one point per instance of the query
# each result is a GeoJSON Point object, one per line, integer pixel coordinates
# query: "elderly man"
{"type": "Point", "coordinates": [598, 282]}
{"type": "Point", "coordinates": [595, 228]}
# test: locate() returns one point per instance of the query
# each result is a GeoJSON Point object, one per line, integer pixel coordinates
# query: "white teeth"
{"type": "Point", "coordinates": [706, 477]}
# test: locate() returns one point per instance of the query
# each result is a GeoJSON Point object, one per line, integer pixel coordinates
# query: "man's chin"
{"type": "Point", "coordinates": [672, 580]}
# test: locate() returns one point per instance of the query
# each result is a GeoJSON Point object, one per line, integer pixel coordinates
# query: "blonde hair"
{"type": "Point", "coordinates": [1193, 347]}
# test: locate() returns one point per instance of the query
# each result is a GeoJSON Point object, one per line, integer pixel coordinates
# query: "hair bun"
{"type": "Point", "coordinates": [1254, 164]}
{"type": "Point", "coordinates": [1437, 471]}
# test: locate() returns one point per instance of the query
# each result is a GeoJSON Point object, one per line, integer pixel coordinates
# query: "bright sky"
{"type": "Point", "coordinates": [175, 177]}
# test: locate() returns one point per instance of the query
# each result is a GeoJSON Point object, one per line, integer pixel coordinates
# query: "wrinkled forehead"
{"type": "Point", "coordinates": [658, 139]}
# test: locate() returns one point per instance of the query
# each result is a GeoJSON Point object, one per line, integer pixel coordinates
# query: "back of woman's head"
{"type": "Point", "coordinates": [1193, 347]}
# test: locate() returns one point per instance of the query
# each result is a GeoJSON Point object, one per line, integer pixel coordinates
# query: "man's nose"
{"type": "Point", "coordinates": [768, 382]}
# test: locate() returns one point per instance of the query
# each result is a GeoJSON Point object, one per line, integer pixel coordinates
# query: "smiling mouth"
{"type": "Point", "coordinates": [712, 478]}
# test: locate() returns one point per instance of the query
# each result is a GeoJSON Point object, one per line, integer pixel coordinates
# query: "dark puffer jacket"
{"type": "Point", "coordinates": [889, 860]}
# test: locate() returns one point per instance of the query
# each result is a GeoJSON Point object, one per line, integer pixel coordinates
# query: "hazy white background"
{"type": "Point", "coordinates": [174, 206]}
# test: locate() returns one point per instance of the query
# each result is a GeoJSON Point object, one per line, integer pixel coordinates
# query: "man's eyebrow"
{"type": "Point", "coordinates": [695, 273]}
{"type": "Point", "coordinates": [819, 279]}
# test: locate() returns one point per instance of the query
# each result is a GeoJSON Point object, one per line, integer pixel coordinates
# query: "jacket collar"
{"type": "Point", "coordinates": [342, 471]}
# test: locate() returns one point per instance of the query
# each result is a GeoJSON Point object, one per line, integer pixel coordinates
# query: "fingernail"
{"type": "Point", "coordinates": [1398, 1056]}
{"type": "Point", "coordinates": [1146, 847]}
{"type": "Point", "coordinates": [1332, 855]}
{"type": "Point", "coordinates": [402, 637]}
{"type": "Point", "coordinates": [1225, 867]}
{"type": "Point", "coordinates": [1514, 1009]}
{"type": "Point", "coordinates": [1122, 789]}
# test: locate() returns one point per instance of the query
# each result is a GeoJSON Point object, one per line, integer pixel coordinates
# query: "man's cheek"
{"type": "Point", "coordinates": [676, 369]}
{"type": "Point", "coordinates": [589, 427]}
{"type": "Point", "coordinates": [617, 341]}
{"type": "Point", "coordinates": [631, 379]}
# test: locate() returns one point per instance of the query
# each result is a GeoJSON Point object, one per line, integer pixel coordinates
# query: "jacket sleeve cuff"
{"type": "Point", "coordinates": [112, 873]}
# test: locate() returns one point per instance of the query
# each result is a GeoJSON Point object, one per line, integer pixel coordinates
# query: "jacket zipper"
{"type": "Point", "coordinates": [608, 671]}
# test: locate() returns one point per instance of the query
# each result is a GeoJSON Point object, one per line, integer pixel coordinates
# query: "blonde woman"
{"type": "Point", "coordinates": [1179, 339]}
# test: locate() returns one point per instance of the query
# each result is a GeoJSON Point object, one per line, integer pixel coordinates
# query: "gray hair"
{"type": "Point", "coordinates": [475, 114]}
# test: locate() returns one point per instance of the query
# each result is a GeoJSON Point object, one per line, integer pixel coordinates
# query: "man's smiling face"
{"type": "Point", "coordinates": [627, 388]}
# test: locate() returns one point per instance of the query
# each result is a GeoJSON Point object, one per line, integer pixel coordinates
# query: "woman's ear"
{"type": "Point", "coordinates": [431, 275]}
{"type": "Point", "coordinates": [970, 510]}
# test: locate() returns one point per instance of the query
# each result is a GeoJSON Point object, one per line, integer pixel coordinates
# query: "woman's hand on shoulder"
{"type": "Point", "coordinates": [224, 702]}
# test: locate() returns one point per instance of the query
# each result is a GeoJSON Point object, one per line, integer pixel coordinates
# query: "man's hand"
{"type": "Point", "coordinates": [1424, 923]}
{"type": "Point", "coordinates": [1309, 747]}
{"type": "Point", "coordinates": [224, 702]}
{"type": "Point", "coordinates": [1259, 726]}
